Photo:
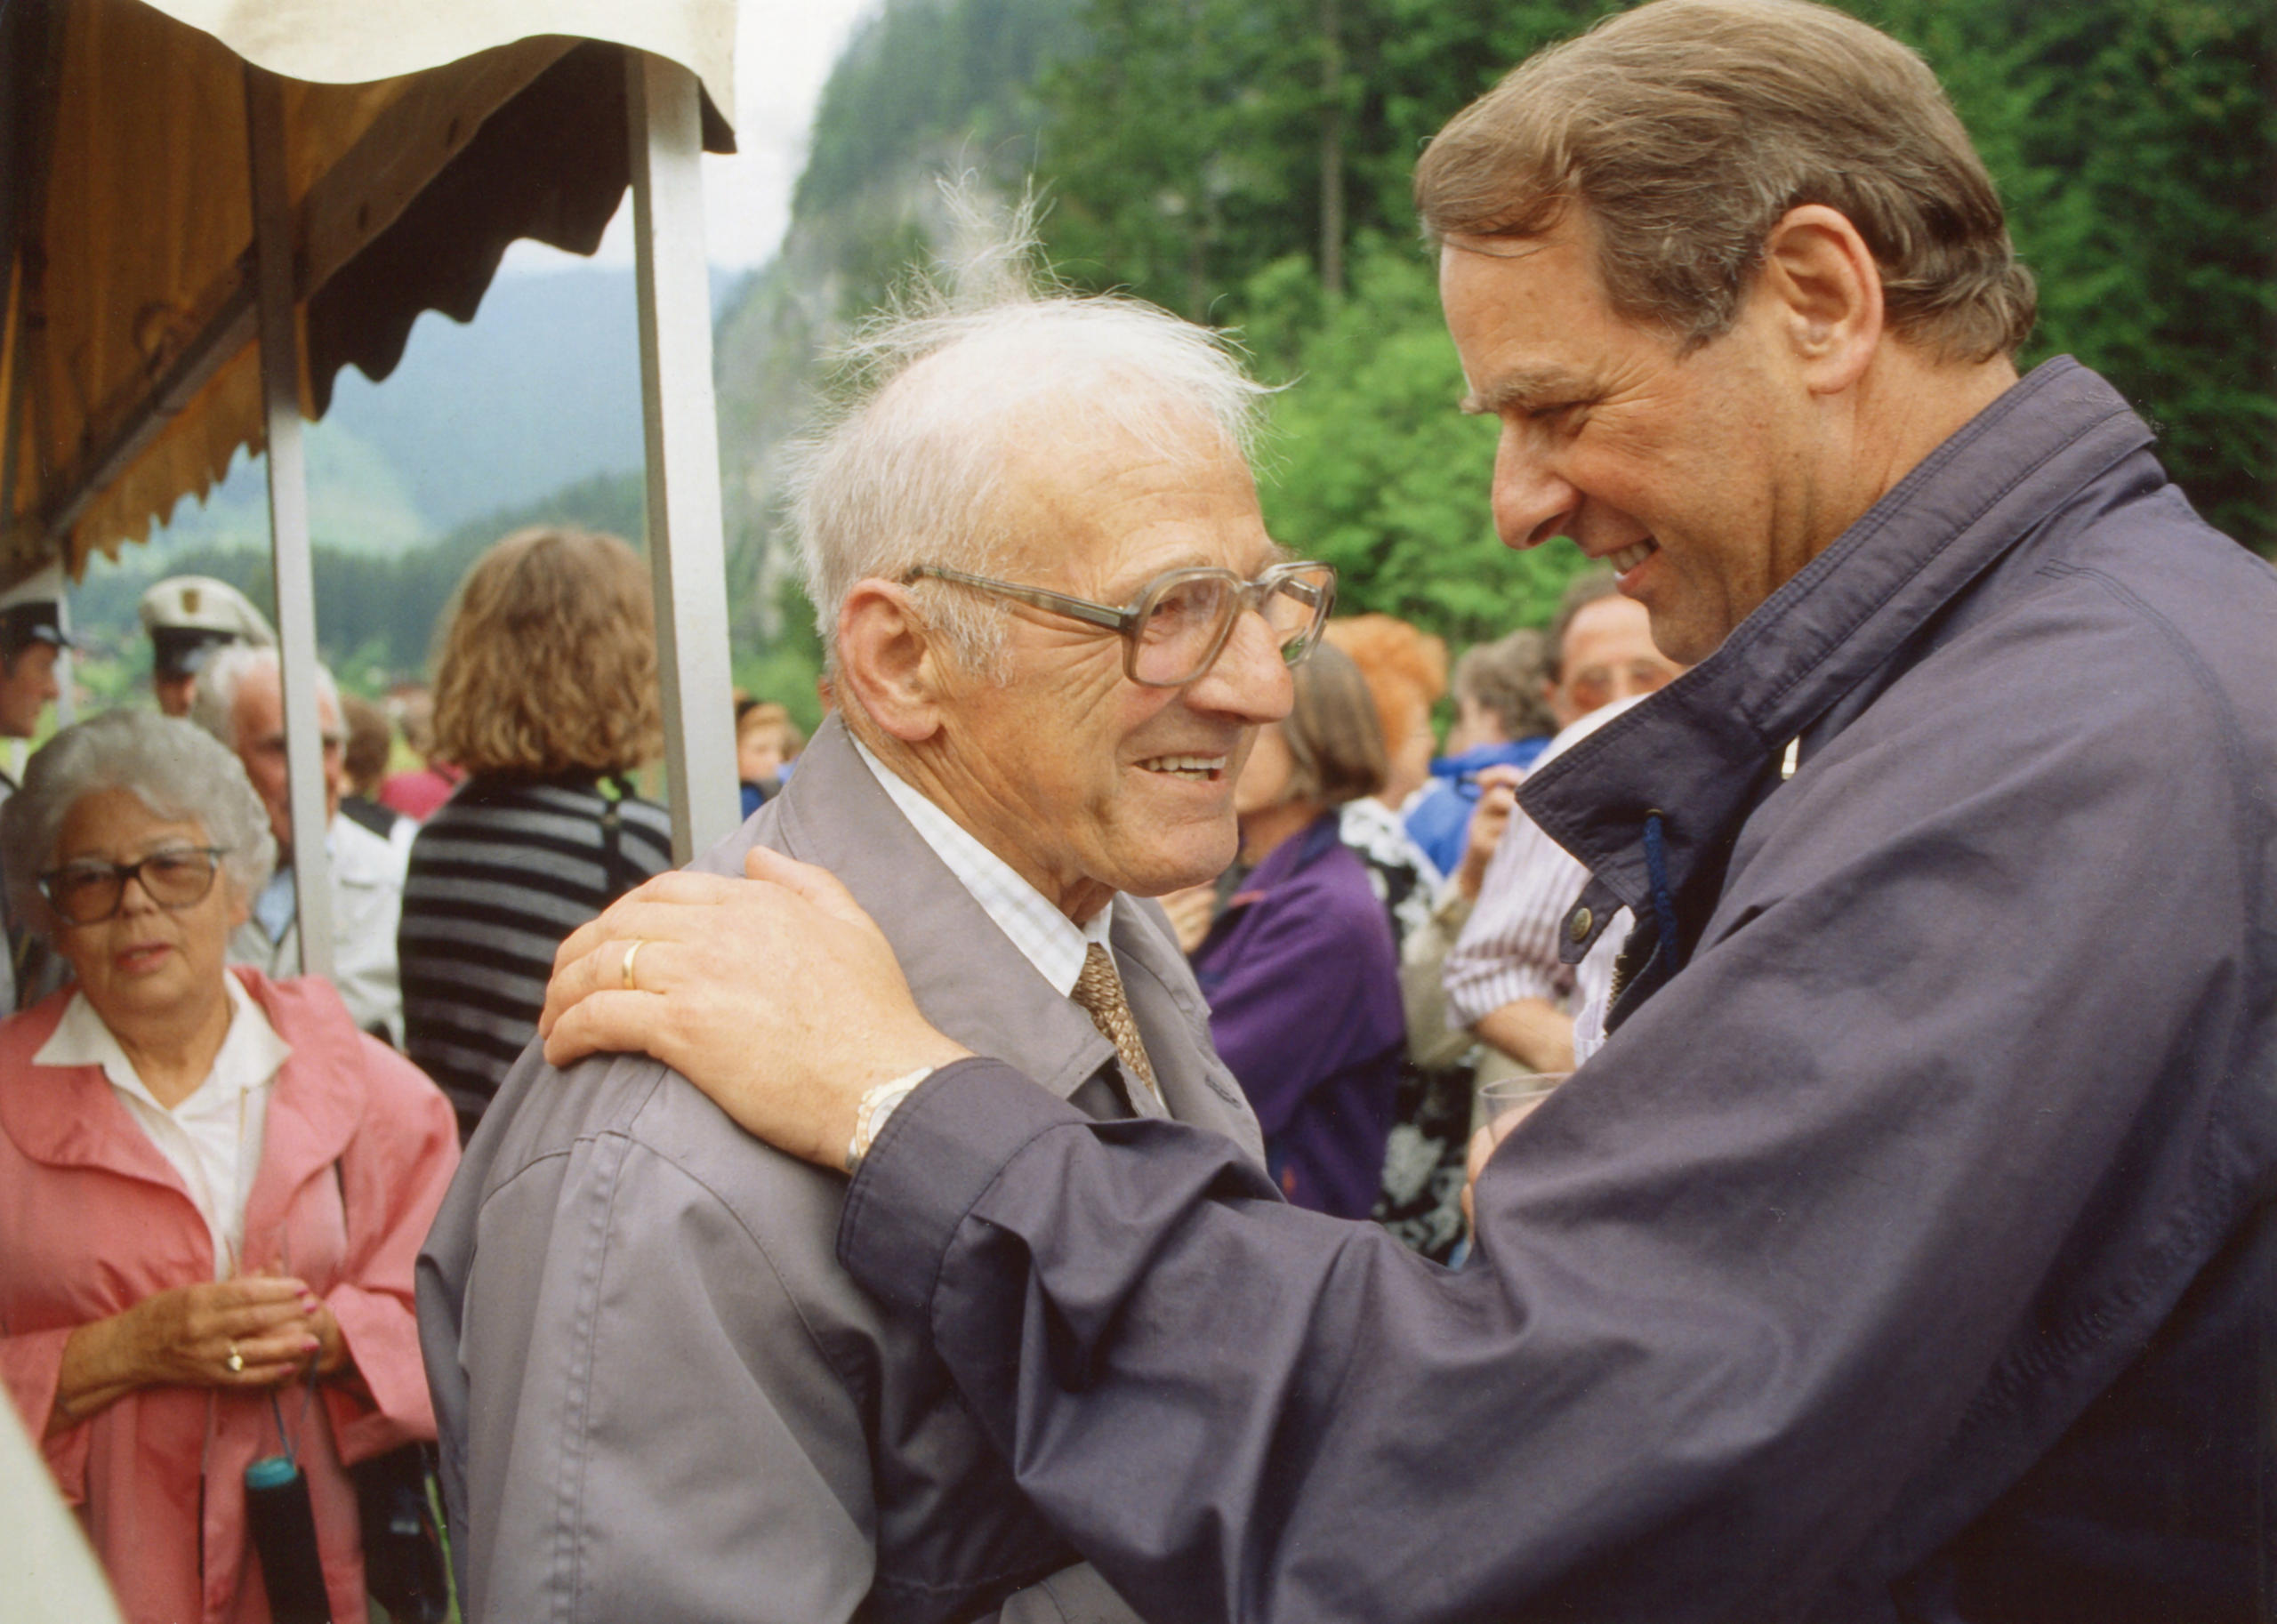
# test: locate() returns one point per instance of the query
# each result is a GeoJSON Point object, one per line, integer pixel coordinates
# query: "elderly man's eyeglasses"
{"type": "Point", "coordinates": [1172, 631]}
{"type": "Point", "coordinates": [91, 891]}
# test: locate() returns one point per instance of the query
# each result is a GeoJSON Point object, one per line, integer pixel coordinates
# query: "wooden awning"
{"type": "Point", "coordinates": [422, 137]}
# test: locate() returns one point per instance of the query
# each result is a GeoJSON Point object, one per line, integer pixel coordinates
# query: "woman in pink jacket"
{"type": "Point", "coordinates": [212, 1186]}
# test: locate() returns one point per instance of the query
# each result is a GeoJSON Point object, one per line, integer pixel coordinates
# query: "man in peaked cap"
{"type": "Point", "coordinates": [31, 637]}
{"type": "Point", "coordinates": [188, 618]}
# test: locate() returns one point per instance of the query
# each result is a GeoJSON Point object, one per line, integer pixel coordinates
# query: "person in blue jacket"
{"type": "Point", "coordinates": [1501, 720]}
{"type": "Point", "coordinates": [1908, 1251]}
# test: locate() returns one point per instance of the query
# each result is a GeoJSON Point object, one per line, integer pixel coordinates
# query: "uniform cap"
{"type": "Point", "coordinates": [190, 617]}
{"type": "Point", "coordinates": [31, 611]}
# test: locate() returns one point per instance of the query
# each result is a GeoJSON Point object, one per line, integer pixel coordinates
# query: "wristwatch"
{"type": "Point", "coordinates": [878, 1104]}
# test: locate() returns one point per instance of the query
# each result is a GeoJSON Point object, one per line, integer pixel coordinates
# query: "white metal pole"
{"type": "Point", "coordinates": [66, 677]}
{"type": "Point", "coordinates": [288, 512]}
{"type": "Point", "coordinates": [686, 547]}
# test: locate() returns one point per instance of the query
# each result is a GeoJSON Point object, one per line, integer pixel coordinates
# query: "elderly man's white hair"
{"type": "Point", "coordinates": [214, 706]}
{"type": "Point", "coordinates": [908, 469]}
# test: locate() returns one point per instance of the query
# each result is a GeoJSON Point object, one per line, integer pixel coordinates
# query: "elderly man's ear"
{"type": "Point", "coordinates": [1826, 292]}
{"type": "Point", "coordinates": [890, 663]}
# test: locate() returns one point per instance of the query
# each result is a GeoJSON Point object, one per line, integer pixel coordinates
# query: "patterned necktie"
{"type": "Point", "coordinates": [1100, 990]}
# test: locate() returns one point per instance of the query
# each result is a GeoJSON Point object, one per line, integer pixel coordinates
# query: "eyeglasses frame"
{"type": "Point", "coordinates": [125, 871]}
{"type": "Point", "coordinates": [1125, 622]}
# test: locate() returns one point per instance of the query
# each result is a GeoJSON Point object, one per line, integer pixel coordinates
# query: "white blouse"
{"type": "Point", "coordinates": [213, 1138]}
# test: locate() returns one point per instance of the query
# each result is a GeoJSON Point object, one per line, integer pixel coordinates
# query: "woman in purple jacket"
{"type": "Point", "coordinates": [1300, 968]}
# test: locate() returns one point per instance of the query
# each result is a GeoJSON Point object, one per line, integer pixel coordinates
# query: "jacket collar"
{"type": "Point", "coordinates": [1700, 751]}
{"type": "Point", "coordinates": [68, 1116]}
{"type": "Point", "coordinates": [312, 1115]}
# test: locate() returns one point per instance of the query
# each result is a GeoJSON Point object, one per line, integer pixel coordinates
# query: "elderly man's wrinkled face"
{"type": "Point", "coordinates": [148, 960]}
{"type": "Point", "coordinates": [259, 717]}
{"type": "Point", "coordinates": [1081, 779]}
{"type": "Point", "coordinates": [1688, 473]}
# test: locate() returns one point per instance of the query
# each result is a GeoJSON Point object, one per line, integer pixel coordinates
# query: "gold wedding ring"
{"type": "Point", "coordinates": [236, 1362]}
{"type": "Point", "coordinates": [625, 970]}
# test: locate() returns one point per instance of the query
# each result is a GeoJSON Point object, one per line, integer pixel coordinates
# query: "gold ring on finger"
{"type": "Point", "coordinates": [236, 1362]}
{"type": "Point", "coordinates": [624, 969]}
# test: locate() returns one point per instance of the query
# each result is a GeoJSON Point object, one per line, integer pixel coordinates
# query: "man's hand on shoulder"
{"type": "Point", "coordinates": [776, 994]}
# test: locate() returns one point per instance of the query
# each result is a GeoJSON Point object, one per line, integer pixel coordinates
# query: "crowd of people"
{"type": "Point", "coordinates": [149, 858]}
{"type": "Point", "coordinates": [1139, 941]}
{"type": "Point", "coordinates": [218, 1171]}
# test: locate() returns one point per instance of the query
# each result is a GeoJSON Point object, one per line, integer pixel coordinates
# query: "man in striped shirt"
{"type": "Point", "coordinates": [1504, 978]}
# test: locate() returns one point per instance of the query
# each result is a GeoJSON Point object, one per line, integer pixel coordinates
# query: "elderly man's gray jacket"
{"type": "Point", "coordinates": [661, 1399]}
{"type": "Point", "coordinates": [1905, 1254]}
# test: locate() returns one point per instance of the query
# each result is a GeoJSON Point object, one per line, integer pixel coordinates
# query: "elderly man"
{"type": "Point", "coordinates": [240, 701]}
{"type": "Point", "coordinates": [1505, 978]}
{"type": "Point", "coordinates": [1907, 1250]}
{"type": "Point", "coordinates": [189, 619]}
{"type": "Point", "coordinates": [1055, 622]}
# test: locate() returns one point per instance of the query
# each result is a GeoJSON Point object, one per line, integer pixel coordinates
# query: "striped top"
{"type": "Point", "coordinates": [1509, 948]}
{"type": "Point", "coordinates": [504, 871]}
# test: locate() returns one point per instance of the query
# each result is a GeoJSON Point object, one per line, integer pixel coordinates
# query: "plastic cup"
{"type": "Point", "coordinates": [1501, 1105]}
{"type": "Point", "coordinates": [1507, 1101]}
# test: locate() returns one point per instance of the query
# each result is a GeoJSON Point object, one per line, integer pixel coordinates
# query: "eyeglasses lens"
{"type": "Point", "coordinates": [1181, 626]}
{"type": "Point", "coordinates": [1183, 623]}
{"type": "Point", "coordinates": [88, 893]}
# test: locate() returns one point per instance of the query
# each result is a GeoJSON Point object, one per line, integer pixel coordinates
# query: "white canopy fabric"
{"type": "Point", "coordinates": [326, 43]}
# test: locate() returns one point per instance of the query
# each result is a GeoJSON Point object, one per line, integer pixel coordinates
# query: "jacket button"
{"type": "Point", "coordinates": [1577, 924]}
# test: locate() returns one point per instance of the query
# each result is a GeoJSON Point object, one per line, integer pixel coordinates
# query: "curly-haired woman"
{"type": "Point", "coordinates": [546, 695]}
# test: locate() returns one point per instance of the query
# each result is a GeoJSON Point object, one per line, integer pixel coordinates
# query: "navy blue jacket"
{"type": "Point", "coordinates": [1908, 1251]}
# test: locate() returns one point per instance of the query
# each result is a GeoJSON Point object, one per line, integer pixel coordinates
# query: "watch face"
{"type": "Point", "coordinates": [877, 1105]}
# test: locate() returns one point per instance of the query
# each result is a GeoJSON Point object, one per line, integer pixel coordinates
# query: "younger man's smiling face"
{"type": "Point", "coordinates": [1688, 473]}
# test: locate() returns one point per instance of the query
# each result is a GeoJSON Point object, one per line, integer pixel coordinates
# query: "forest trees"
{"type": "Point", "coordinates": [1197, 151]}
{"type": "Point", "coordinates": [1247, 163]}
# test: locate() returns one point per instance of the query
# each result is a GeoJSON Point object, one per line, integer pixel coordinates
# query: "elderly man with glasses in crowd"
{"type": "Point", "coordinates": [1056, 622]}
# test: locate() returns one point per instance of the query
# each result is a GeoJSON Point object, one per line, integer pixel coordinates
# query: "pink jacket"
{"type": "Point", "coordinates": [94, 1218]}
